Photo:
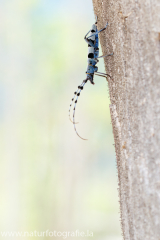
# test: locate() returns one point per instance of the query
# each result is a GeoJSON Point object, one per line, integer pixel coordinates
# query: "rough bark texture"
{"type": "Point", "coordinates": [133, 35]}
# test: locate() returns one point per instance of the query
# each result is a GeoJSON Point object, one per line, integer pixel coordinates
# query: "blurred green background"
{"type": "Point", "coordinates": [50, 178]}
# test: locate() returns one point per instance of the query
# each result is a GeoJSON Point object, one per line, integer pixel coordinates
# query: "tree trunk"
{"type": "Point", "coordinates": [133, 35]}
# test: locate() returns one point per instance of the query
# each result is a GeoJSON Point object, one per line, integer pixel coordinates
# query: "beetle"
{"type": "Point", "coordinates": [93, 55]}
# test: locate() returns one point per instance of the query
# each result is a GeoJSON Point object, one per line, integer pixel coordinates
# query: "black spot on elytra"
{"type": "Point", "coordinates": [90, 55]}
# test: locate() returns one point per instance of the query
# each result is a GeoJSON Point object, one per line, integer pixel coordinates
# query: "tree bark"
{"type": "Point", "coordinates": [133, 35]}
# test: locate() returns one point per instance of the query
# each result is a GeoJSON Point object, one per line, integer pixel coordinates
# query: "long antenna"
{"type": "Point", "coordinates": [75, 93]}
{"type": "Point", "coordinates": [78, 94]}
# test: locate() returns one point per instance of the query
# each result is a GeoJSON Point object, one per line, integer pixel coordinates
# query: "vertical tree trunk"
{"type": "Point", "coordinates": [133, 35]}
